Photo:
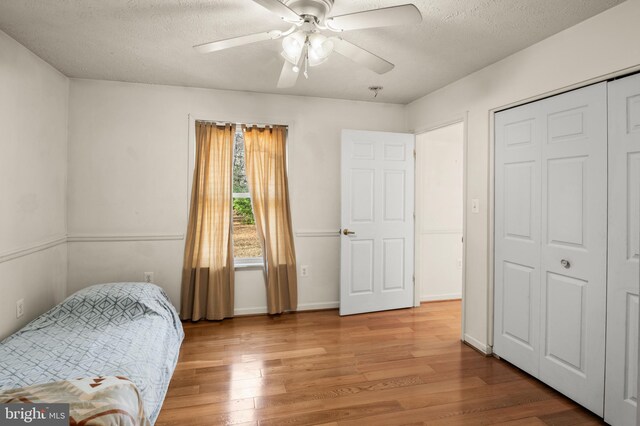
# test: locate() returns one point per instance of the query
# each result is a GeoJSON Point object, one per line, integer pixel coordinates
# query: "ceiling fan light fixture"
{"type": "Point", "coordinates": [303, 44]}
{"type": "Point", "coordinates": [292, 46]}
{"type": "Point", "coordinates": [320, 47]}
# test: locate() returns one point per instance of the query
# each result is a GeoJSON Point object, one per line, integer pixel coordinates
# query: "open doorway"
{"type": "Point", "coordinates": [440, 213]}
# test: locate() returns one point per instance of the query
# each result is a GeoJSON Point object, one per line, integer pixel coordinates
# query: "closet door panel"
{"type": "Point", "coordinates": [517, 237]}
{"type": "Point", "coordinates": [624, 251]}
{"type": "Point", "coordinates": [573, 250]}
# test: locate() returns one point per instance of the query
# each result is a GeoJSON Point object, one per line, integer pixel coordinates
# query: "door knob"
{"type": "Point", "coordinates": [347, 232]}
{"type": "Point", "coordinates": [565, 263]}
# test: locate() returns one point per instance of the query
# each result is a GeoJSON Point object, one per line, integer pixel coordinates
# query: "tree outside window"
{"type": "Point", "coordinates": [246, 244]}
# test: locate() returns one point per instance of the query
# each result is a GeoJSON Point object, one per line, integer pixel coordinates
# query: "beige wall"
{"type": "Point", "coordinates": [33, 169]}
{"type": "Point", "coordinates": [601, 45]}
{"type": "Point", "coordinates": [439, 194]}
{"type": "Point", "coordinates": [128, 177]}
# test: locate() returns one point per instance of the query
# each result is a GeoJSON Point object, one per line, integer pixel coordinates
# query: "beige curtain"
{"type": "Point", "coordinates": [207, 274]}
{"type": "Point", "coordinates": [265, 159]}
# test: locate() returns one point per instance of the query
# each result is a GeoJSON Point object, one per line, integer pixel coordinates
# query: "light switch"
{"type": "Point", "coordinates": [475, 205]}
{"type": "Point", "coordinates": [19, 308]}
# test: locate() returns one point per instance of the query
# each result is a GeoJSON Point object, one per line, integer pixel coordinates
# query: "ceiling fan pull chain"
{"type": "Point", "coordinates": [307, 45]}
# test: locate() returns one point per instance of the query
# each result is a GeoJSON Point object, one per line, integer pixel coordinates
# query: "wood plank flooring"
{"type": "Point", "coordinates": [404, 367]}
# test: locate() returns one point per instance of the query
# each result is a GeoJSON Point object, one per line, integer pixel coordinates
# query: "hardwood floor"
{"type": "Point", "coordinates": [405, 367]}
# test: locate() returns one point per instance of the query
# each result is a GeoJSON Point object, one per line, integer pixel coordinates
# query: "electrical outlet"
{"type": "Point", "coordinates": [304, 270]}
{"type": "Point", "coordinates": [148, 277]}
{"type": "Point", "coordinates": [459, 262]}
{"type": "Point", "coordinates": [19, 308]}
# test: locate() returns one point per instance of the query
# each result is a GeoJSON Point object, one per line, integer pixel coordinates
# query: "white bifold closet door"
{"type": "Point", "coordinates": [518, 138]}
{"type": "Point", "coordinates": [624, 251]}
{"type": "Point", "coordinates": [551, 241]}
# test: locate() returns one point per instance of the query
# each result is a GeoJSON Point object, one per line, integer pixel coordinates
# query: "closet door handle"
{"type": "Point", "coordinates": [565, 263]}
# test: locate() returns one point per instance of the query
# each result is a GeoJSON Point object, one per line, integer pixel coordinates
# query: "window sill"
{"type": "Point", "coordinates": [248, 264]}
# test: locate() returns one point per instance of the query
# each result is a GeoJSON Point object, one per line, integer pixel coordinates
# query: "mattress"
{"type": "Point", "coordinates": [118, 329]}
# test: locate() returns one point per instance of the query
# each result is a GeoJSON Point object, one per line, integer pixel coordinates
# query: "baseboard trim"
{"type": "Point", "coordinates": [259, 310]}
{"type": "Point", "coordinates": [123, 238]}
{"type": "Point", "coordinates": [441, 297]}
{"type": "Point", "coordinates": [262, 310]}
{"type": "Point", "coordinates": [476, 344]}
{"type": "Point", "coordinates": [33, 248]}
{"type": "Point", "coordinates": [318, 306]}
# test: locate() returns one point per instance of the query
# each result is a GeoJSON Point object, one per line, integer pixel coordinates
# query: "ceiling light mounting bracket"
{"type": "Point", "coordinates": [316, 8]}
{"type": "Point", "coordinates": [375, 90]}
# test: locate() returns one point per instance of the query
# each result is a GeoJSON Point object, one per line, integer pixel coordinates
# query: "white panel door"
{"type": "Point", "coordinates": [517, 236]}
{"type": "Point", "coordinates": [574, 244]}
{"type": "Point", "coordinates": [551, 241]}
{"type": "Point", "coordinates": [624, 251]}
{"type": "Point", "coordinates": [376, 250]}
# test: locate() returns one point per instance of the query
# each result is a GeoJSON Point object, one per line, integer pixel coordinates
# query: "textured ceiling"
{"type": "Point", "coordinates": [149, 41]}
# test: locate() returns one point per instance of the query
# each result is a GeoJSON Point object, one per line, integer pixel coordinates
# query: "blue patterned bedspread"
{"type": "Point", "coordinates": [120, 329]}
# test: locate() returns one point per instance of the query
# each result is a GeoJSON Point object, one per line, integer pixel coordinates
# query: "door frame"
{"type": "Point", "coordinates": [456, 119]}
{"type": "Point", "coordinates": [491, 202]}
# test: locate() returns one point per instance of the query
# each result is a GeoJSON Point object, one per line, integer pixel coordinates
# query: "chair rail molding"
{"type": "Point", "coordinates": [307, 233]}
{"type": "Point", "coordinates": [83, 238]}
{"type": "Point", "coordinates": [440, 231]}
{"type": "Point", "coordinates": [91, 238]}
{"type": "Point", "coordinates": [32, 248]}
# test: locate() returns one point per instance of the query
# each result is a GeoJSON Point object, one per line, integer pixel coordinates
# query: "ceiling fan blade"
{"type": "Point", "coordinates": [280, 9]}
{"type": "Point", "coordinates": [361, 56]}
{"type": "Point", "coordinates": [214, 46]}
{"type": "Point", "coordinates": [288, 76]}
{"type": "Point", "coordinates": [396, 15]}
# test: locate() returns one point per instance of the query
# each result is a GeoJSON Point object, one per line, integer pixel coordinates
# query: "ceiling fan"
{"type": "Point", "coordinates": [304, 45]}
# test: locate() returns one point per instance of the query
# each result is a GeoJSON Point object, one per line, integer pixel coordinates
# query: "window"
{"type": "Point", "coordinates": [246, 245]}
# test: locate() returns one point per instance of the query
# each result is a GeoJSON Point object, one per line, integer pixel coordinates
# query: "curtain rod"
{"type": "Point", "coordinates": [239, 125]}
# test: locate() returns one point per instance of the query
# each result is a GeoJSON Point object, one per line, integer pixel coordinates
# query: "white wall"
{"type": "Point", "coordinates": [33, 170]}
{"type": "Point", "coordinates": [128, 178]}
{"type": "Point", "coordinates": [439, 192]}
{"type": "Point", "coordinates": [601, 45]}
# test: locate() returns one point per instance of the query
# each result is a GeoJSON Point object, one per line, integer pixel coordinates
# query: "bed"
{"type": "Point", "coordinates": [128, 330]}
